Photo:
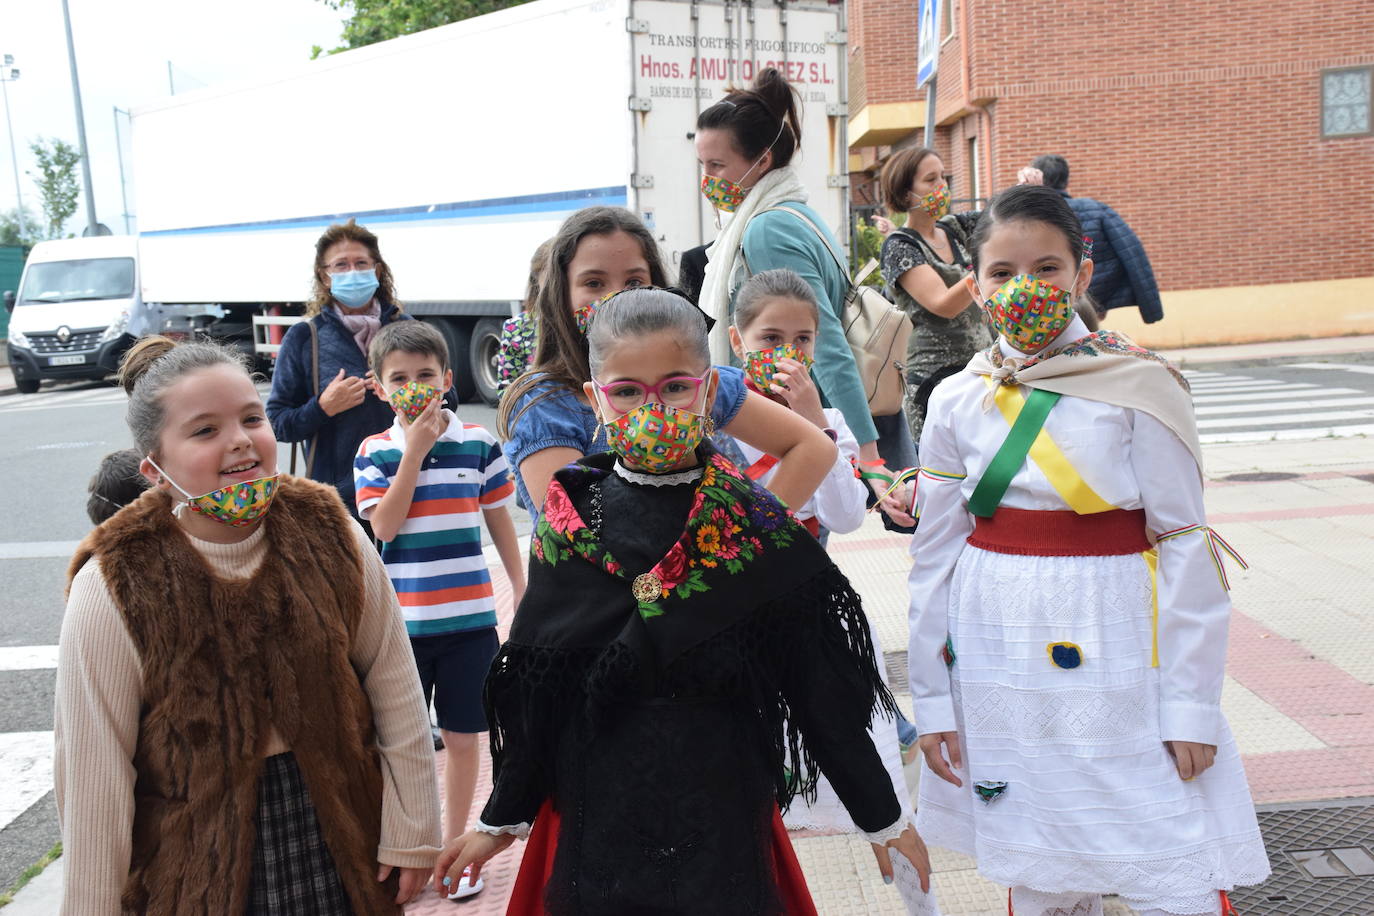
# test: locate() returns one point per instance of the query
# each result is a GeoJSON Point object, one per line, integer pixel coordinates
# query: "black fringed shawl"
{"type": "Point", "coordinates": [745, 605]}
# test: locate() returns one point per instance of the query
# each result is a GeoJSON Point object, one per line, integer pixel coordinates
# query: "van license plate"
{"type": "Point", "coordinates": [75, 360]}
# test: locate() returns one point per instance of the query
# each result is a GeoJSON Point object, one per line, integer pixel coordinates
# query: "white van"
{"type": "Point", "coordinates": [77, 310]}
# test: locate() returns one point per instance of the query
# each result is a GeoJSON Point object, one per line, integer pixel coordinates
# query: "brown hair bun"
{"type": "Point", "coordinates": [140, 358]}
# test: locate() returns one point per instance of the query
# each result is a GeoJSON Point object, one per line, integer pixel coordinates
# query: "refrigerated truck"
{"type": "Point", "coordinates": [464, 147]}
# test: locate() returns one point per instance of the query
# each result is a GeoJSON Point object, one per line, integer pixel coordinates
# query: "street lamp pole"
{"type": "Point", "coordinates": [10, 76]}
{"type": "Point", "coordinates": [91, 222]}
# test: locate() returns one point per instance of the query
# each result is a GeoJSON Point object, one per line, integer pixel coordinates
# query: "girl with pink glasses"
{"type": "Point", "coordinates": [686, 660]}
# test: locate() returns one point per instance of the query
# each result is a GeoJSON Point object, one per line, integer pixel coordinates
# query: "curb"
{"type": "Point", "coordinates": [42, 896]}
{"type": "Point", "coordinates": [1279, 351]}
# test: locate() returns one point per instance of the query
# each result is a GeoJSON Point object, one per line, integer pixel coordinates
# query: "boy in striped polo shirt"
{"type": "Point", "coordinates": [426, 485]}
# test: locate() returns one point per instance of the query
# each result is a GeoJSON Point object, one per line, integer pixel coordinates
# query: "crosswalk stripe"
{"type": "Point", "coordinates": [36, 550]}
{"type": "Point", "coordinates": [1233, 383]}
{"type": "Point", "coordinates": [66, 397]}
{"type": "Point", "coordinates": [27, 406]}
{"type": "Point", "coordinates": [1347, 367]}
{"type": "Point", "coordinates": [1283, 405]}
{"type": "Point", "coordinates": [1225, 381]}
{"type": "Point", "coordinates": [1279, 435]}
{"type": "Point", "coordinates": [1287, 419]}
{"type": "Point", "coordinates": [1271, 395]}
{"type": "Point", "coordinates": [26, 765]}
{"type": "Point", "coordinates": [1255, 386]}
{"type": "Point", "coordinates": [27, 658]}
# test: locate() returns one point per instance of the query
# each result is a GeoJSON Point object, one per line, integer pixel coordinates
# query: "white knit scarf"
{"type": "Point", "coordinates": [778, 186]}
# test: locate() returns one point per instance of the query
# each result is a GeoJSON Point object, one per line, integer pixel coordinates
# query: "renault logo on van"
{"type": "Point", "coordinates": [64, 335]}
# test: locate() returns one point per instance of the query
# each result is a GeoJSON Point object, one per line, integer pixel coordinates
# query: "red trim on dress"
{"type": "Point", "coordinates": [527, 896]}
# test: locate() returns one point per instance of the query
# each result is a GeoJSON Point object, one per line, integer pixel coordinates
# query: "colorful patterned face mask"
{"type": "Point", "coordinates": [936, 203]}
{"type": "Point", "coordinates": [656, 437]}
{"type": "Point", "coordinates": [584, 314]}
{"type": "Point", "coordinates": [237, 505]}
{"type": "Point", "coordinates": [412, 398]}
{"type": "Point", "coordinates": [761, 365]}
{"type": "Point", "coordinates": [1029, 312]}
{"type": "Point", "coordinates": [726, 195]}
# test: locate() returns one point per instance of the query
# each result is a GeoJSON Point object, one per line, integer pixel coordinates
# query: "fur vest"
{"type": "Point", "coordinates": [224, 661]}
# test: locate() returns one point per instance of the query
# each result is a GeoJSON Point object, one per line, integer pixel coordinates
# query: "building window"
{"type": "Point", "coordinates": [1346, 106]}
{"type": "Point", "coordinates": [946, 19]}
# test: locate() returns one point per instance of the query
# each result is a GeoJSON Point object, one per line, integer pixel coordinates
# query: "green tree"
{"type": "Point", "coordinates": [868, 243]}
{"type": "Point", "coordinates": [56, 179]}
{"type": "Point", "coordinates": [370, 21]}
{"type": "Point", "coordinates": [9, 228]}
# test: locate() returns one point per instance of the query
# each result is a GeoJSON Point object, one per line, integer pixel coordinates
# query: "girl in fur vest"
{"type": "Point", "coordinates": [239, 728]}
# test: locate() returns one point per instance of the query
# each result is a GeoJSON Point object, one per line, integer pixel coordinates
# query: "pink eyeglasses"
{"type": "Point", "coordinates": [675, 391]}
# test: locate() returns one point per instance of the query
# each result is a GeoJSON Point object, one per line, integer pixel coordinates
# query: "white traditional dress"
{"type": "Point", "coordinates": [1065, 674]}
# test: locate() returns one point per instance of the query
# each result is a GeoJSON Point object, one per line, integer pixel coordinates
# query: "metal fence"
{"type": "Point", "coordinates": [11, 268]}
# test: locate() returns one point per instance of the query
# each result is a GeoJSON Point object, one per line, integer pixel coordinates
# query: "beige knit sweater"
{"type": "Point", "coordinates": [99, 694]}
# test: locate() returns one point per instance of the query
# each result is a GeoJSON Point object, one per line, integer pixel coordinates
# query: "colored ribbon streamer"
{"type": "Point", "coordinates": [933, 474]}
{"type": "Point", "coordinates": [1060, 473]}
{"type": "Point", "coordinates": [893, 481]}
{"type": "Point", "coordinates": [1216, 545]}
{"type": "Point", "coordinates": [760, 467]}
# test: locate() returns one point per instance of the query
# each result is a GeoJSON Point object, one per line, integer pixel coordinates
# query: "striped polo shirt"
{"type": "Point", "coordinates": [435, 561]}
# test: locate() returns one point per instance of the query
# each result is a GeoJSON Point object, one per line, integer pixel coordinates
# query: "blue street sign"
{"type": "Point", "coordinates": [928, 47]}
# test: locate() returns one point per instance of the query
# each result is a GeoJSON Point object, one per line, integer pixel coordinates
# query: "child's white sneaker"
{"type": "Point", "coordinates": [466, 886]}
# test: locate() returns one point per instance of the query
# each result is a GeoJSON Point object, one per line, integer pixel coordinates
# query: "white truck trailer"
{"type": "Point", "coordinates": [464, 147]}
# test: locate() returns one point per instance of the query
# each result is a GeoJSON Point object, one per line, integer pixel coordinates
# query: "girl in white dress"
{"type": "Point", "coordinates": [776, 321]}
{"type": "Point", "coordinates": [1068, 605]}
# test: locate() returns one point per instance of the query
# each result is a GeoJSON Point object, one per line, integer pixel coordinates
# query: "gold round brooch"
{"type": "Point", "coordinates": [647, 588]}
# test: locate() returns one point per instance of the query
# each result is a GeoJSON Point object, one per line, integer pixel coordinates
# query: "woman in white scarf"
{"type": "Point", "coordinates": [746, 143]}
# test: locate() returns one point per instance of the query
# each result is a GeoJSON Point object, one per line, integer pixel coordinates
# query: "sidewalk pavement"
{"type": "Point", "coordinates": [1299, 691]}
{"type": "Point", "coordinates": [1188, 357]}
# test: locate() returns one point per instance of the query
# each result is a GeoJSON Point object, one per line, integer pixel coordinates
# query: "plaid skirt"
{"type": "Point", "coordinates": [293, 872]}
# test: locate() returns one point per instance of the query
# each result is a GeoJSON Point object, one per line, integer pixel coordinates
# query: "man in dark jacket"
{"type": "Point", "coordinates": [1121, 272]}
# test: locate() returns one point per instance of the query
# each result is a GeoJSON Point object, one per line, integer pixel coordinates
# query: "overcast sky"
{"type": "Point", "coordinates": [122, 52]}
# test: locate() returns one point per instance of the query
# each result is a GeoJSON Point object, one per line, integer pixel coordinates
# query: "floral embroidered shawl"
{"type": "Point", "coordinates": [739, 548]}
{"type": "Point", "coordinates": [1104, 366]}
{"type": "Point", "coordinates": [744, 578]}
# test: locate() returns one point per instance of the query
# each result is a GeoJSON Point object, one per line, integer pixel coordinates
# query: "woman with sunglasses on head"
{"type": "Point", "coordinates": [685, 660]}
{"type": "Point", "coordinates": [546, 419]}
{"type": "Point", "coordinates": [746, 143]}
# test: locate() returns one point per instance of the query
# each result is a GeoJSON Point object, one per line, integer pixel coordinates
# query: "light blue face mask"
{"type": "Point", "coordinates": [354, 288]}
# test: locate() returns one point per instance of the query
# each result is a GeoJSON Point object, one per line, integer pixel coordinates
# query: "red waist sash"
{"type": "Point", "coordinates": [1062, 534]}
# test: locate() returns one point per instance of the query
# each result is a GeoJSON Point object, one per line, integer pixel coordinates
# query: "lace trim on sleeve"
{"type": "Point", "coordinates": [520, 831]}
{"type": "Point", "coordinates": [887, 834]}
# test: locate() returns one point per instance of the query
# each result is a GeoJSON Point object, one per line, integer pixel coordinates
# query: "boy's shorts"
{"type": "Point", "coordinates": [453, 668]}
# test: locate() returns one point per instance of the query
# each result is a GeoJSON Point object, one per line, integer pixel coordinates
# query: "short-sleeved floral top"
{"type": "Point", "coordinates": [935, 342]}
{"type": "Point", "coordinates": [515, 352]}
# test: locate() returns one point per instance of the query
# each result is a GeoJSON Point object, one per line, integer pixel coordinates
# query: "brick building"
{"type": "Point", "coordinates": [1234, 136]}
